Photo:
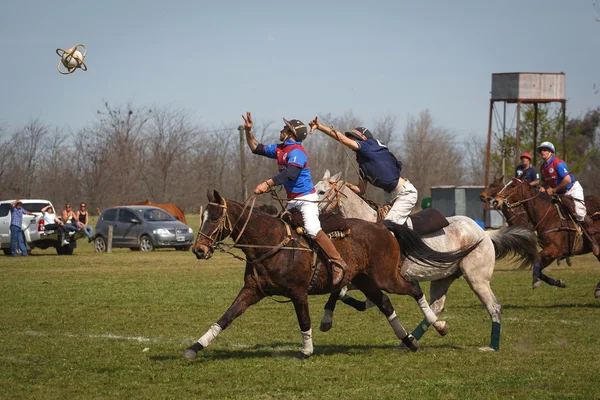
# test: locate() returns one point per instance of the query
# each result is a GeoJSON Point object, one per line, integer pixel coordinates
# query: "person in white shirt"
{"type": "Point", "coordinates": [51, 221]}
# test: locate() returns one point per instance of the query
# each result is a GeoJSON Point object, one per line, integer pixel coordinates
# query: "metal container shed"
{"type": "Point", "coordinates": [463, 200]}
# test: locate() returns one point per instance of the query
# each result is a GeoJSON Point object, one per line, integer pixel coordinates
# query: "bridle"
{"type": "Point", "coordinates": [333, 198]}
{"type": "Point", "coordinates": [224, 224]}
{"type": "Point", "coordinates": [517, 203]}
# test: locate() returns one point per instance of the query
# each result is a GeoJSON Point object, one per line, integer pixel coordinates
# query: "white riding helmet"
{"type": "Point", "coordinates": [546, 145]}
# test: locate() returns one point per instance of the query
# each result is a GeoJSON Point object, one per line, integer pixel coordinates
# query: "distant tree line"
{"type": "Point", "coordinates": [131, 153]}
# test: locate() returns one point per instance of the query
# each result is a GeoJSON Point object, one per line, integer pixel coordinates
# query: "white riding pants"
{"type": "Point", "coordinates": [576, 192]}
{"type": "Point", "coordinates": [308, 206]}
{"type": "Point", "coordinates": [403, 200]}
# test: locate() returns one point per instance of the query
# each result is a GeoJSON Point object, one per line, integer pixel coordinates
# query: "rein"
{"type": "Point", "coordinates": [333, 198]}
{"type": "Point", "coordinates": [224, 223]}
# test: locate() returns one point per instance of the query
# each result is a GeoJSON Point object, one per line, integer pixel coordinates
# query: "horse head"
{"type": "Point", "coordinates": [215, 226]}
{"type": "Point", "coordinates": [515, 192]}
{"type": "Point", "coordinates": [493, 188]}
{"type": "Point", "coordinates": [326, 190]}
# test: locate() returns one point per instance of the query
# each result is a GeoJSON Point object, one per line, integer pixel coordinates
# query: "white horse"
{"type": "Point", "coordinates": [477, 267]}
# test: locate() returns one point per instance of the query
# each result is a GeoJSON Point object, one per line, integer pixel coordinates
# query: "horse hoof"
{"type": "Point", "coordinates": [443, 331]}
{"type": "Point", "coordinates": [301, 356]}
{"type": "Point", "coordinates": [190, 354]}
{"type": "Point", "coordinates": [569, 261]}
{"type": "Point", "coordinates": [597, 292]}
{"type": "Point", "coordinates": [411, 343]}
{"type": "Point", "coordinates": [486, 349]}
{"type": "Point", "coordinates": [325, 326]}
{"type": "Point", "coordinates": [558, 261]}
{"type": "Point", "coordinates": [561, 284]}
{"type": "Point", "coordinates": [536, 283]}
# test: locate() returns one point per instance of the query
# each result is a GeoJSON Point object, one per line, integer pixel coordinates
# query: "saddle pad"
{"type": "Point", "coordinates": [428, 220]}
{"type": "Point", "coordinates": [329, 222]}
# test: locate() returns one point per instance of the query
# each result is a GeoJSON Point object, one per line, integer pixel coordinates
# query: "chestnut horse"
{"type": "Point", "coordinates": [514, 216]}
{"type": "Point", "coordinates": [558, 237]}
{"type": "Point", "coordinates": [280, 262]}
{"type": "Point", "coordinates": [477, 268]}
{"type": "Point", "coordinates": [168, 207]}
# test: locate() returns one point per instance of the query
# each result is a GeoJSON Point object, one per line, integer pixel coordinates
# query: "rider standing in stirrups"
{"type": "Point", "coordinates": [378, 166]}
{"type": "Point", "coordinates": [295, 177]}
{"type": "Point", "coordinates": [557, 179]}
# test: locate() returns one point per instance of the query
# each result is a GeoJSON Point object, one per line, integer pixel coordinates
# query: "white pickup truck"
{"type": "Point", "coordinates": [36, 236]}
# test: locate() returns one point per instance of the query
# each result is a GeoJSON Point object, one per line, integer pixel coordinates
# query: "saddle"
{"type": "Point", "coordinates": [333, 225]}
{"type": "Point", "coordinates": [425, 221]}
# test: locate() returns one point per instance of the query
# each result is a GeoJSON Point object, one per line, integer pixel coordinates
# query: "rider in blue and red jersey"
{"type": "Point", "coordinates": [294, 175]}
{"type": "Point", "coordinates": [557, 179]}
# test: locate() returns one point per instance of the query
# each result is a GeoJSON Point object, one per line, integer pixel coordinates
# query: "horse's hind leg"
{"type": "Point", "coordinates": [358, 305]}
{"type": "Point", "coordinates": [437, 294]}
{"type": "Point", "coordinates": [481, 286]}
{"type": "Point", "coordinates": [366, 285]}
{"type": "Point", "coordinates": [245, 298]}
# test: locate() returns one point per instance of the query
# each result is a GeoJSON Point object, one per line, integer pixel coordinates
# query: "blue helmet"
{"type": "Point", "coordinates": [546, 145]}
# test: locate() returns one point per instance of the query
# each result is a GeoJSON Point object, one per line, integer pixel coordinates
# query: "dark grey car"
{"type": "Point", "coordinates": [141, 228]}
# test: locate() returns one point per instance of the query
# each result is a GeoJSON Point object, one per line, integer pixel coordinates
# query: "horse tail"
{"type": "Point", "coordinates": [516, 241]}
{"type": "Point", "coordinates": [414, 248]}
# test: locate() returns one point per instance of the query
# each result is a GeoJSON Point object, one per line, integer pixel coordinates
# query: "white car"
{"type": "Point", "coordinates": [36, 236]}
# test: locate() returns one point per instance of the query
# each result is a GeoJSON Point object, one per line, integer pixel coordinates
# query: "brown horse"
{"type": "Point", "coordinates": [168, 207]}
{"type": "Point", "coordinates": [514, 216]}
{"type": "Point", "coordinates": [280, 262]}
{"type": "Point", "coordinates": [558, 236]}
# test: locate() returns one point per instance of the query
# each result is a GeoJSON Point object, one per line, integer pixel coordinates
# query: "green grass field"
{"type": "Point", "coordinates": [115, 325]}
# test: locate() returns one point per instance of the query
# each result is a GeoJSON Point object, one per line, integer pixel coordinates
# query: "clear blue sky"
{"type": "Point", "coordinates": [218, 59]}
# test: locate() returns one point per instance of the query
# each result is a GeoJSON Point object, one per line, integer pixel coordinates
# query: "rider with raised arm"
{"type": "Point", "coordinates": [557, 179]}
{"type": "Point", "coordinates": [378, 166]}
{"type": "Point", "coordinates": [294, 175]}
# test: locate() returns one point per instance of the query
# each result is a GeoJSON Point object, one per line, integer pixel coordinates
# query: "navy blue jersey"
{"type": "Point", "coordinates": [530, 174]}
{"type": "Point", "coordinates": [378, 165]}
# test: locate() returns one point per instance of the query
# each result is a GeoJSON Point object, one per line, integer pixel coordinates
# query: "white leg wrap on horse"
{"type": "Point", "coordinates": [307, 345]}
{"type": "Point", "coordinates": [429, 315]}
{"type": "Point", "coordinates": [397, 326]}
{"type": "Point", "coordinates": [210, 335]}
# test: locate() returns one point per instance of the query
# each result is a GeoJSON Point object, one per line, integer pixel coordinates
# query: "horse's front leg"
{"type": "Point", "coordinates": [547, 256]}
{"type": "Point", "coordinates": [301, 307]}
{"type": "Point", "coordinates": [437, 297]}
{"type": "Point", "coordinates": [245, 298]}
{"type": "Point", "coordinates": [429, 316]}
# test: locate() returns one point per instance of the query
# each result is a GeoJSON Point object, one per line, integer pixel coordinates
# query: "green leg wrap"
{"type": "Point", "coordinates": [495, 343]}
{"type": "Point", "coordinates": [420, 329]}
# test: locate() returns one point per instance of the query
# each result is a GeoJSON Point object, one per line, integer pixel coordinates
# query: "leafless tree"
{"type": "Point", "coordinates": [169, 138]}
{"type": "Point", "coordinates": [474, 161]}
{"type": "Point", "coordinates": [429, 155]}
